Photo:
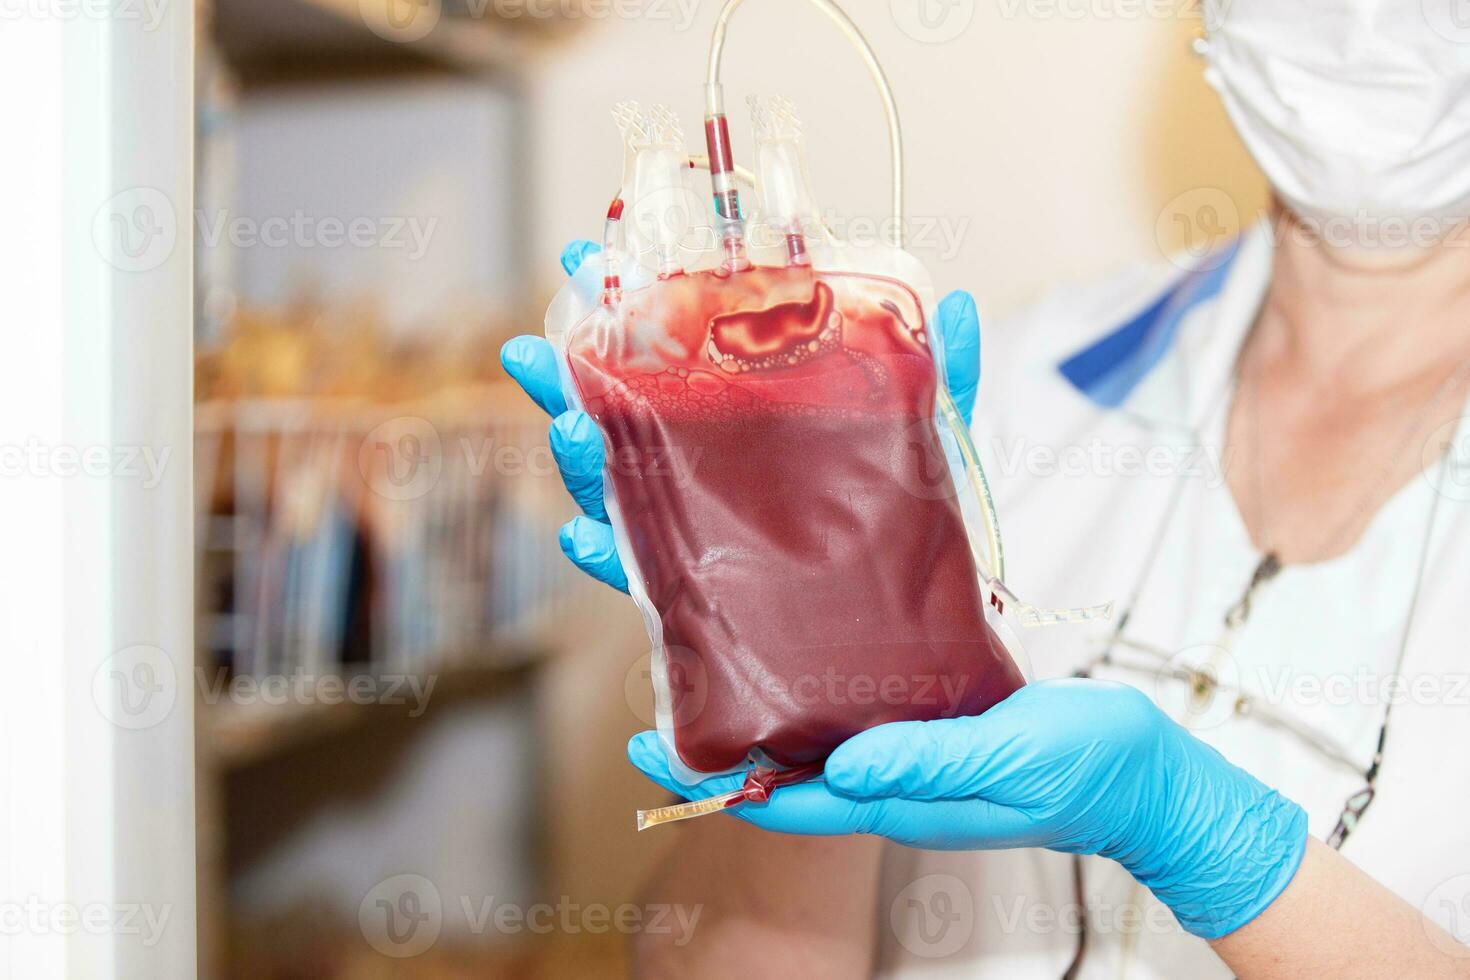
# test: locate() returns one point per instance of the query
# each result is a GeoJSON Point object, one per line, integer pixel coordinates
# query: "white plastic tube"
{"type": "Point", "coordinates": [714, 106]}
{"type": "Point", "coordinates": [714, 94]}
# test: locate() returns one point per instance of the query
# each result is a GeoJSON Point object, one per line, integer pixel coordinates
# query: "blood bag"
{"type": "Point", "coordinates": [797, 504]}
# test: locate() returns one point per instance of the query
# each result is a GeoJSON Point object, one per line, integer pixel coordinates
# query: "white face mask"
{"type": "Point", "coordinates": [1355, 109]}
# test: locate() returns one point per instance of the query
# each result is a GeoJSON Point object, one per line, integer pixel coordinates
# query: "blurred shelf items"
{"type": "Point", "coordinates": [378, 580]}
{"type": "Point", "coordinates": [368, 523]}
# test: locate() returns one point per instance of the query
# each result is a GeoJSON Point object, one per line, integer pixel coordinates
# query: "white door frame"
{"type": "Point", "coordinates": [96, 579]}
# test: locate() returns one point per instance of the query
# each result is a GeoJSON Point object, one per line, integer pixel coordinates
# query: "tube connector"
{"type": "Point", "coordinates": [788, 207]}
{"type": "Point", "coordinates": [656, 182]}
{"type": "Point", "coordinates": [728, 212]}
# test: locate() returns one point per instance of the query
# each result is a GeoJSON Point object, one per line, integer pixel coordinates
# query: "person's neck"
{"type": "Point", "coordinates": [1362, 320]}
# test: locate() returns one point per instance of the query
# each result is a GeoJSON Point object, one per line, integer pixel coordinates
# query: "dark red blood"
{"type": "Point", "coordinates": [717, 142]}
{"type": "Point", "coordinates": [759, 333]}
{"type": "Point", "coordinates": [762, 781]}
{"type": "Point", "coordinates": [790, 511]}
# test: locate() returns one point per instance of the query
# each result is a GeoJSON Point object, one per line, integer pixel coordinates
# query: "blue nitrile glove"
{"type": "Point", "coordinates": [1080, 766]}
{"type": "Point", "coordinates": [577, 444]}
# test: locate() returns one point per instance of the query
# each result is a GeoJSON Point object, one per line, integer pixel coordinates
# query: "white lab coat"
{"type": "Point", "coordinates": [1082, 489]}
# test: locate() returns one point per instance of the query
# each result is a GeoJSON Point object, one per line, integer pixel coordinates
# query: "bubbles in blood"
{"type": "Point", "coordinates": [790, 510]}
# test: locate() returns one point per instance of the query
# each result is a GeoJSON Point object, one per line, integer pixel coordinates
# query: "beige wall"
{"type": "Point", "coordinates": [1047, 140]}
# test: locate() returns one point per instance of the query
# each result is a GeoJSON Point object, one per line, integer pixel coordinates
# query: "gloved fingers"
{"type": "Point", "coordinates": [590, 546]}
{"type": "Point", "coordinates": [646, 752]}
{"type": "Point", "coordinates": [952, 825]}
{"type": "Point", "coordinates": [813, 810]}
{"type": "Point", "coordinates": [576, 253]}
{"type": "Point", "coordinates": [959, 331]}
{"type": "Point", "coordinates": [808, 808]}
{"type": "Point", "coordinates": [576, 444]}
{"type": "Point", "coordinates": [531, 361]}
{"type": "Point", "coordinates": [949, 759]}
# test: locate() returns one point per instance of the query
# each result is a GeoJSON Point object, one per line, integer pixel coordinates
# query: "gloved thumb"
{"type": "Point", "coordinates": [576, 253]}
{"type": "Point", "coordinates": [959, 332]}
{"type": "Point", "coordinates": [948, 759]}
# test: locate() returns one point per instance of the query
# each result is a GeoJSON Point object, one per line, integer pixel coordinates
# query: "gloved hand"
{"type": "Point", "coordinates": [577, 444]}
{"type": "Point", "coordinates": [1079, 766]}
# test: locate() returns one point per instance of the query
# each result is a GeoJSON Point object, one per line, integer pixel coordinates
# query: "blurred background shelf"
{"type": "Point", "coordinates": [368, 508]}
{"type": "Point", "coordinates": [289, 40]}
{"type": "Point", "coordinates": [238, 735]}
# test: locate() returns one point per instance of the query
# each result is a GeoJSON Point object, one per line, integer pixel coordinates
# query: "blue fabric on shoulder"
{"type": "Point", "coordinates": [1108, 370]}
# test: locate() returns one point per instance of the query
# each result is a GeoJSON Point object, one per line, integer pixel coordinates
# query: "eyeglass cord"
{"type": "Point", "coordinates": [1352, 813]}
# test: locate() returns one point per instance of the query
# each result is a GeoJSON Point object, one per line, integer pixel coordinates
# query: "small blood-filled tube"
{"type": "Point", "coordinates": [722, 167]}
{"type": "Point", "coordinates": [796, 248]}
{"type": "Point", "coordinates": [726, 192]}
{"type": "Point", "coordinates": [612, 238]}
{"type": "Point", "coordinates": [781, 166]}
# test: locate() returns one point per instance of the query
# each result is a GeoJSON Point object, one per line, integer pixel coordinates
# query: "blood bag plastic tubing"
{"type": "Point", "coordinates": [784, 503]}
